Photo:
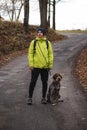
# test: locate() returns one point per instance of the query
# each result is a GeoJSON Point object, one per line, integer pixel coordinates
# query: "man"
{"type": "Point", "coordinates": [40, 57]}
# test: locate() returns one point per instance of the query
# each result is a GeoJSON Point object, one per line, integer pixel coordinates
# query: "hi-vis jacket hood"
{"type": "Point", "coordinates": [41, 57]}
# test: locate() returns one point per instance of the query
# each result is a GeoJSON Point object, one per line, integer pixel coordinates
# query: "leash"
{"type": "Point", "coordinates": [50, 73]}
{"type": "Point", "coordinates": [50, 76]}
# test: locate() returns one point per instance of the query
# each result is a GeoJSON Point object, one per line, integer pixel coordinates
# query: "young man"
{"type": "Point", "coordinates": [40, 57]}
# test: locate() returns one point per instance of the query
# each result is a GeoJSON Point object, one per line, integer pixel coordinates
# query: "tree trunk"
{"type": "Point", "coordinates": [26, 15]}
{"type": "Point", "coordinates": [19, 12]}
{"type": "Point", "coordinates": [54, 14]}
{"type": "Point", "coordinates": [13, 10]}
{"type": "Point", "coordinates": [43, 13]}
{"type": "Point", "coordinates": [49, 13]}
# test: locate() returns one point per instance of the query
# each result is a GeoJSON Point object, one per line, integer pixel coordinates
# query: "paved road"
{"type": "Point", "coordinates": [71, 114]}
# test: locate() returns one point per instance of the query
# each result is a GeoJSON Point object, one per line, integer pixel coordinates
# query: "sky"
{"type": "Point", "coordinates": [70, 14]}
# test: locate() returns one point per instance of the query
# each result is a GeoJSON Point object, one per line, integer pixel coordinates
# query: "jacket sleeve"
{"type": "Point", "coordinates": [50, 56]}
{"type": "Point", "coordinates": [31, 53]}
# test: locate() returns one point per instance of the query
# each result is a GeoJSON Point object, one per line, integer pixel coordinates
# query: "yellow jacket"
{"type": "Point", "coordinates": [42, 57]}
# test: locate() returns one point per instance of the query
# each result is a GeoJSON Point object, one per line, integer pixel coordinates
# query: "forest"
{"type": "Point", "coordinates": [13, 9]}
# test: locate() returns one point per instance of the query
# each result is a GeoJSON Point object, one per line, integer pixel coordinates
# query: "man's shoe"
{"type": "Point", "coordinates": [43, 101]}
{"type": "Point", "coordinates": [29, 101]}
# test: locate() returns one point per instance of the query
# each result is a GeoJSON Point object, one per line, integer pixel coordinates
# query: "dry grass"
{"type": "Point", "coordinates": [81, 68]}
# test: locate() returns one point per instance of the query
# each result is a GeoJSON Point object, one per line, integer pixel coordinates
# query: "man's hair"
{"type": "Point", "coordinates": [43, 30]}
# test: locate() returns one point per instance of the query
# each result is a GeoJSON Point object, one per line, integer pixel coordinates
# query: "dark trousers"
{"type": "Point", "coordinates": [44, 78]}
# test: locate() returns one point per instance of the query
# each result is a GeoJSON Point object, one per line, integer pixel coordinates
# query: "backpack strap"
{"type": "Point", "coordinates": [36, 41]}
{"type": "Point", "coordinates": [47, 43]}
{"type": "Point", "coordinates": [35, 44]}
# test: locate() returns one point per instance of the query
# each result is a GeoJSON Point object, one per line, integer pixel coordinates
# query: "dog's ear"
{"type": "Point", "coordinates": [55, 76]}
{"type": "Point", "coordinates": [60, 76]}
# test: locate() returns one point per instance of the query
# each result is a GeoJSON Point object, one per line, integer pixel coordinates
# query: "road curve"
{"type": "Point", "coordinates": [71, 114]}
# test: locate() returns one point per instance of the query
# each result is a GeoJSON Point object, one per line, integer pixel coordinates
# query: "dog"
{"type": "Point", "coordinates": [53, 94]}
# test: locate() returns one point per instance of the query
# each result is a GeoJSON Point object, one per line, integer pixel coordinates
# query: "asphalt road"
{"type": "Point", "coordinates": [71, 114]}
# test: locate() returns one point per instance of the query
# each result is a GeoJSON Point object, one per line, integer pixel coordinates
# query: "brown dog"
{"type": "Point", "coordinates": [54, 88]}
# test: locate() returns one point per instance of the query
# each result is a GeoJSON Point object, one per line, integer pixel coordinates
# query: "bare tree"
{"type": "Point", "coordinates": [54, 14]}
{"type": "Point", "coordinates": [53, 3]}
{"type": "Point", "coordinates": [26, 15]}
{"type": "Point", "coordinates": [52, 8]}
{"type": "Point", "coordinates": [49, 12]}
{"type": "Point", "coordinates": [43, 13]}
{"type": "Point", "coordinates": [12, 8]}
{"type": "Point", "coordinates": [20, 8]}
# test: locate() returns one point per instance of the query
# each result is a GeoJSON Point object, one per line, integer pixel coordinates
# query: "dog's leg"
{"type": "Point", "coordinates": [60, 100]}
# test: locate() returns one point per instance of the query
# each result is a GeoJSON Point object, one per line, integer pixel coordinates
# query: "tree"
{"type": "Point", "coordinates": [54, 14]}
{"type": "Point", "coordinates": [21, 5]}
{"type": "Point", "coordinates": [12, 8]}
{"type": "Point", "coordinates": [52, 8]}
{"type": "Point", "coordinates": [49, 4]}
{"type": "Point", "coordinates": [43, 13]}
{"type": "Point", "coordinates": [26, 15]}
{"type": "Point", "coordinates": [54, 2]}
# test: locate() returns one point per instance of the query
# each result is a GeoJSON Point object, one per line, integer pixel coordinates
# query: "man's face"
{"type": "Point", "coordinates": [40, 34]}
